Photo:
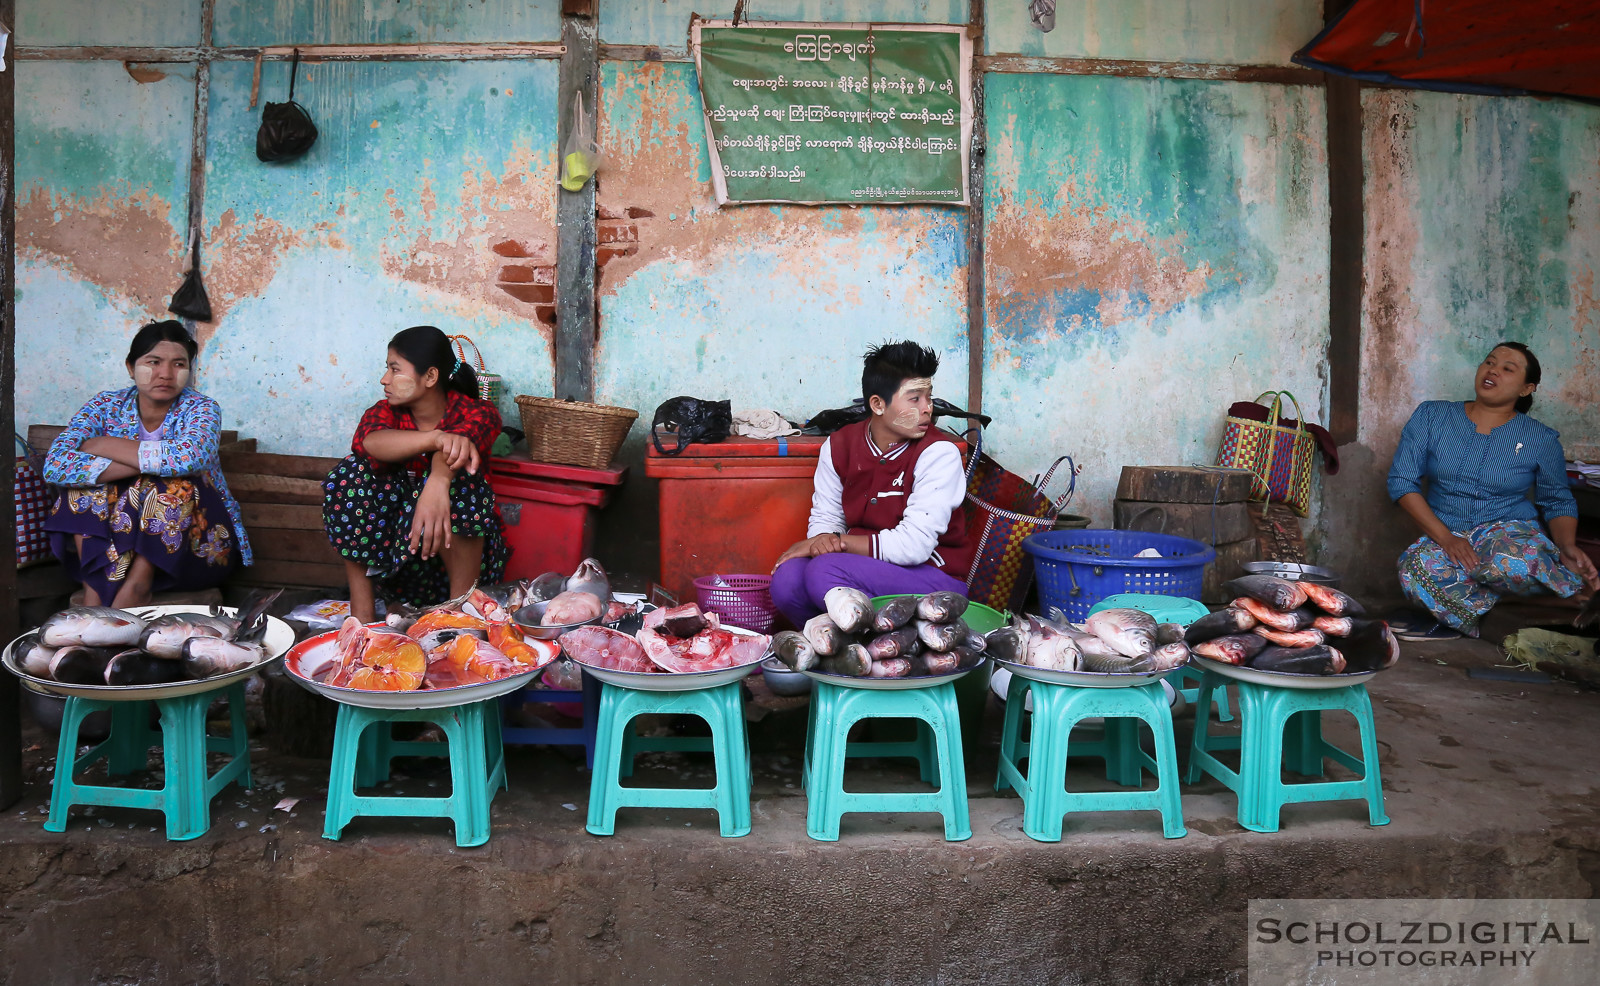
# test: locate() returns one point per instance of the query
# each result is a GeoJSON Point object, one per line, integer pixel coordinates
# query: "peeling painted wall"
{"type": "Point", "coordinates": [102, 177]}
{"type": "Point", "coordinates": [1483, 224]}
{"type": "Point", "coordinates": [277, 22]}
{"type": "Point", "coordinates": [769, 305]}
{"type": "Point", "coordinates": [1236, 32]}
{"type": "Point", "coordinates": [401, 214]}
{"type": "Point", "coordinates": [666, 22]}
{"type": "Point", "coordinates": [1156, 250]}
{"type": "Point", "coordinates": [129, 22]}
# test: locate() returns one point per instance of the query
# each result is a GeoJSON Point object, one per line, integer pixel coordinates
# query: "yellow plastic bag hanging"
{"type": "Point", "coordinates": [581, 157]}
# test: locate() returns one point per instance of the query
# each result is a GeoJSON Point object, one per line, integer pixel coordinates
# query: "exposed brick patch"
{"type": "Point", "coordinates": [601, 212]}
{"type": "Point", "coordinates": [531, 293]}
{"type": "Point", "coordinates": [634, 212]}
{"type": "Point", "coordinates": [606, 253]}
{"type": "Point", "coordinates": [616, 231]}
{"type": "Point", "coordinates": [511, 248]}
{"type": "Point", "coordinates": [517, 274]}
{"type": "Point", "coordinates": [544, 275]}
{"type": "Point", "coordinates": [545, 314]}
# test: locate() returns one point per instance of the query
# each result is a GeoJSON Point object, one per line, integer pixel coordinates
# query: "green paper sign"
{"type": "Point", "coordinates": [831, 113]}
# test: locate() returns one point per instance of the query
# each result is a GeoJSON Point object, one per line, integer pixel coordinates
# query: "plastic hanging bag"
{"type": "Point", "coordinates": [286, 130]}
{"type": "Point", "coordinates": [691, 420]}
{"type": "Point", "coordinates": [580, 158]}
{"type": "Point", "coordinates": [190, 299]}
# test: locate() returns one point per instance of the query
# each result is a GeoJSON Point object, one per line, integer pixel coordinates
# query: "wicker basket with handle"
{"type": "Point", "coordinates": [573, 433]}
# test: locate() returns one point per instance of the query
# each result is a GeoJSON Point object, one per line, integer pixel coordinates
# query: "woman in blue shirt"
{"type": "Point", "coordinates": [142, 506]}
{"type": "Point", "coordinates": [1481, 534]}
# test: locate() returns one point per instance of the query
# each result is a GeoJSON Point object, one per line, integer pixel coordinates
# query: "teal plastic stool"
{"type": "Point", "coordinates": [616, 744]}
{"type": "Point", "coordinates": [1282, 727]}
{"type": "Point", "coordinates": [186, 791]}
{"type": "Point", "coordinates": [361, 758]}
{"type": "Point", "coordinates": [936, 748]}
{"type": "Point", "coordinates": [1171, 609]}
{"type": "Point", "coordinates": [1056, 710]}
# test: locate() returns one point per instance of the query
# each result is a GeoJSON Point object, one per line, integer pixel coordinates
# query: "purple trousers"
{"type": "Point", "coordinates": [800, 583]}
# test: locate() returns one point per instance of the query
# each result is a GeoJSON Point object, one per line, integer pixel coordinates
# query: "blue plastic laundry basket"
{"type": "Point", "coordinates": [1077, 569]}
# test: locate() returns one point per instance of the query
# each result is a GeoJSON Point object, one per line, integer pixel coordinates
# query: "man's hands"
{"type": "Point", "coordinates": [1460, 551]}
{"type": "Point", "coordinates": [1581, 563]}
{"type": "Point", "coordinates": [822, 544]}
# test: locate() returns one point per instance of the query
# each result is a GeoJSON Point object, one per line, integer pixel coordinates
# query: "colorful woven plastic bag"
{"type": "Point", "coordinates": [1001, 510]}
{"type": "Point", "coordinates": [33, 506]}
{"type": "Point", "coordinates": [1280, 458]}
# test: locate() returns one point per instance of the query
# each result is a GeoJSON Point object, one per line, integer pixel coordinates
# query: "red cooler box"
{"type": "Point", "coordinates": [731, 507]}
{"type": "Point", "coordinates": [549, 511]}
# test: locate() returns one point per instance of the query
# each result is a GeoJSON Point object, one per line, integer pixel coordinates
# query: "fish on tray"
{"type": "Point", "coordinates": [137, 667]}
{"type": "Point", "coordinates": [34, 657]}
{"type": "Point", "coordinates": [793, 649]}
{"type": "Point", "coordinates": [1235, 648]}
{"type": "Point", "coordinates": [77, 664]}
{"type": "Point", "coordinates": [468, 661]}
{"type": "Point", "coordinates": [206, 657]}
{"type": "Point", "coordinates": [850, 609]}
{"type": "Point", "coordinates": [377, 659]}
{"type": "Point", "coordinates": [91, 626]}
{"type": "Point", "coordinates": [941, 607]}
{"type": "Point", "coordinates": [941, 637]}
{"type": "Point", "coordinates": [1279, 594]}
{"type": "Point", "coordinates": [1219, 624]}
{"type": "Point", "coordinates": [1332, 601]}
{"type": "Point", "coordinates": [603, 647]}
{"type": "Point", "coordinates": [712, 648]}
{"type": "Point", "coordinates": [853, 661]}
{"type": "Point", "coordinates": [1320, 659]}
{"type": "Point", "coordinates": [164, 635]}
{"type": "Point", "coordinates": [903, 642]}
{"type": "Point", "coordinates": [894, 613]}
{"type": "Point", "coordinates": [1295, 619]}
{"type": "Point", "coordinates": [825, 635]}
{"type": "Point", "coordinates": [1291, 638]}
{"type": "Point", "coordinates": [572, 607]}
{"type": "Point", "coordinates": [1131, 632]}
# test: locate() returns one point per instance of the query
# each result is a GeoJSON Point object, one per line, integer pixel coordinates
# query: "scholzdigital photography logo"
{"type": "Point", "coordinates": [1423, 942]}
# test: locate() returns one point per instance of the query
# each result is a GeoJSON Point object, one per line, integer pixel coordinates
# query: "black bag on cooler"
{"type": "Point", "coordinates": [693, 420]}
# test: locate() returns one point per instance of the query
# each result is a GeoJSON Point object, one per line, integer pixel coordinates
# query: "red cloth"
{"type": "Point", "coordinates": [463, 415]}
{"type": "Point", "coordinates": [866, 477]}
{"type": "Point", "coordinates": [1259, 412]}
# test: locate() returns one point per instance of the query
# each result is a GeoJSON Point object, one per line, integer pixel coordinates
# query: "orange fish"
{"type": "Point", "coordinates": [444, 619]}
{"type": "Point", "coordinates": [513, 643]}
{"type": "Point", "coordinates": [468, 661]}
{"type": "Point", "coordinates": [378, 660]}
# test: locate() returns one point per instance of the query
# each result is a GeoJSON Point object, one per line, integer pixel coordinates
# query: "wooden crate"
{"type": "Point", "coordinates": [280, 498]}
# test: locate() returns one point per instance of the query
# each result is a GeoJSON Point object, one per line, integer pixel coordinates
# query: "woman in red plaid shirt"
{"type": "Point", "coordinates": [410, 508]}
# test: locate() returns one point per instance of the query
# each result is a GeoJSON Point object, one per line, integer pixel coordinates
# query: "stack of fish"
{"type": "Point", "coordinates": [1293, 627]}
{"type": "Point", "coordinates": [467, 641]}
{"type": "Point", "coordinates": [97, 645]}
{"type": "Point", "coordinates": [1112, 641]}
{"type": "Point", "coordinates": [907, 636]}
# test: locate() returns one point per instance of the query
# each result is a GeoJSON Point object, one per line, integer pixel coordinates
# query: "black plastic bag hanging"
{"type": "Point", "coordinates": [190, 299]}
{"type": "Point", "coordinates": [286, 129]}
{"type": "Point", "coordinates": [692, 420]}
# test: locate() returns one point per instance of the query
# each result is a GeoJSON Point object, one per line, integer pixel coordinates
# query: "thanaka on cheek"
{"type": "Point", "coordinates": [403, 387]}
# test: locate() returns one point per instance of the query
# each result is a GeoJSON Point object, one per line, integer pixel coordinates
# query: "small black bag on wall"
{"type": "Point", "coordinates": [286, 128]}
{"type": "Point", "coordinates": [190, 299]}
{"type": "Point", "coordinates": [692, 420]}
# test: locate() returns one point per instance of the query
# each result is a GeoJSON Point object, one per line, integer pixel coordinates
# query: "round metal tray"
{"type": "Point", "coordinates": [1282, 679]}
{"type": "Point", "coordinates": [676, 681]}
{"type": "Point", "coordinates": [309, 656]}
{"type": "Point", "coordinates": [1085, 679]}
{"type": "Point", "coordinates": [892, 684]}
{"type": "Point", "coordinates": [279, 637]}
{"type": "Point", "coordinates": [534, 612]}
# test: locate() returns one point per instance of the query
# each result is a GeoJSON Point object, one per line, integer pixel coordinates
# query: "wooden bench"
{"type": "Point", "coordinates": [280, 500]}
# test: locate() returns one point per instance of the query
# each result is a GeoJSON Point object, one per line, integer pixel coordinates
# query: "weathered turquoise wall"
{"type": "Point", "coordinates": [666, 22]}
{"type": "Point", "coordinates": [87, 22]}
{"type": "Point", "coordinates": [1155, 250]}
{"type": "Point", "coordinates": [1483, 224]}
{"type": "Point", "coordinates": [768, 305]}
{"type": "Point", "coordinates": [1234, 32]}
{"type": "Point", "coordinates": [392, 219]}
{"type": "Point", "coordinates": [277, 22]}
{"type": "Point", "coordinates": [102, 177]}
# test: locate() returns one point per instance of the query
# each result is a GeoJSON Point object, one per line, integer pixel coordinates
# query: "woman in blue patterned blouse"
{"type": "Point", "coordinates": [143, 506]}
{"type": "Point", "coordinates": [1481, 534]}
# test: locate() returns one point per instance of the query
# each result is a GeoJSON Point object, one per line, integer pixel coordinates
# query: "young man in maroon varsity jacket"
{"type": "Point", "coordinates": [886, 506]}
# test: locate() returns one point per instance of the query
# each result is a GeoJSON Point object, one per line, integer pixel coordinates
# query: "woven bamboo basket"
{"type": "Point", "coordinates": [573, 433]}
